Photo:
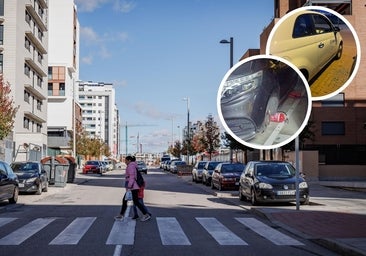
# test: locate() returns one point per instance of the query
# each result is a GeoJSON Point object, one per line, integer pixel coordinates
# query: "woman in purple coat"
{"type": "Point", "coordinates": [131, 184]}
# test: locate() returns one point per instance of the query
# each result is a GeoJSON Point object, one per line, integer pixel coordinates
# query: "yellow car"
{"type": "Point", "coordinates": [308, 39]}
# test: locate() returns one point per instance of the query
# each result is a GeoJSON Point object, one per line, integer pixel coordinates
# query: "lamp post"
{"type": "Point", "coordinates": [188, 138]}
{"type": "Point", "coordinates": [231, 42]}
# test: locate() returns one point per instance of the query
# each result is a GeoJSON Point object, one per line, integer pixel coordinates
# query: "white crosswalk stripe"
{"type": "Point", "coordinates": [169, 229]}
{"type": "Point", "coordinates": [171, 233]}
{"type": "Point", "coordinates": [74, 232]}
{"type": "Point", "coordinates": [4, 221]}
{"type": "Point", "coordinates": [267, 232]}
{"type": "Point", "coordinates": [23, 233]}
{"type": "Point", "coordinates": [219, 232]}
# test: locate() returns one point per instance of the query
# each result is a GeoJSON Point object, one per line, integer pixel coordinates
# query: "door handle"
{"type": "Point", "coordinates": [321, 45]}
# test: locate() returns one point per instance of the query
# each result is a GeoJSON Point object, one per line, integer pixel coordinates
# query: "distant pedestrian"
{"type": "Point", "coordinates": [131, 184]}
{"type": "Point", "coordinates": [141, 200]}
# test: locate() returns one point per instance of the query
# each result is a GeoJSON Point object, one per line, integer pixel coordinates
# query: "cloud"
{"type": "Point", "coordinates": [87, 60]}
{"type": "Point", "coordinates": [89, 35]}
{"type": "Point", "coordinates": [89, 5]}
{"type": "Point", "coordinates": [123, 6]}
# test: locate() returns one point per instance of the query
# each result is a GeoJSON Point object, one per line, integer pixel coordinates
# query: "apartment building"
{"type": "Point", "coordinates": [64, 113]}
{"type": "Point", "coordinates": [100, 117]}
{"type": "Point", "coordinates": [339, 122]}
{"type": "Point", "coordinates": [24, 63]}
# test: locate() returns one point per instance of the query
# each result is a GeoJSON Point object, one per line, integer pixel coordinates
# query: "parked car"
{"type": "Point", "coordinates": [207, 172]}
{"type": "Point", "coordinates": [9, 183]}
{"type": "Point", "coordinates": [167, 166]}
{"type": "Point", "coordinates": [227, 176]}
{"type": "Point", "coordinates": [141, 166]}
{"type": "Point", "coordinates": [32, 176]}
{"type": "Point", "coordinates": [197, 171]}
{"type": "Point", "coordinates": [308, 39]}
{"type": "Point", "coordinates": [174, 165]}
{"type": "Point", "coordinates": [93, 166]}
{"type": "Point", "coordinates": [253, 92]}
{"type": "Point", "coordinates": [271, 181]}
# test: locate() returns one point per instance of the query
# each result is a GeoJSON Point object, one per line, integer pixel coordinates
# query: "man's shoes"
{"type": "Point", "coordinates": [135, 217]}
{"type": "Point", "coordinates": [145, 217]}
{"type": "Point", "coordinates": [118, 217]}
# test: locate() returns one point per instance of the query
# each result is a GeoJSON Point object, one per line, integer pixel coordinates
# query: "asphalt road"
{"type": "Point", "coordinates": [188, 219]}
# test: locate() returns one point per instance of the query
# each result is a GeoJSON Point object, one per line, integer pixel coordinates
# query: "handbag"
{"type": "Point", "coordinates": [128, 196]}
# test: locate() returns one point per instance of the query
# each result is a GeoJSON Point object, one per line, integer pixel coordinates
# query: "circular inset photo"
{"type": "Point", "coordinates": [264, 102]}
{"type": "Point", "coordinates": [322, 44]}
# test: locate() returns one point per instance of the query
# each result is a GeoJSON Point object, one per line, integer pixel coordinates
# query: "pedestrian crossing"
{"type": "Point", "coordinates": [170, 229]}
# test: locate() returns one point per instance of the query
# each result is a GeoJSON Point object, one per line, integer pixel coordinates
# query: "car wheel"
{"type": "Point", "coordinates": [253, 198]}
{"type": "Point", "coordinates": [241, 197]}
{"type": "Point", "coordinates": [14, 199]}
{"type": "Point", "coordinates": [306, 202]}
{"type": "Point", "coordinates": [339, 52]}
{"type": "Point", "coordinates": [45, 189]}
{"type": "Point", "coordinates": [39, 189]}
{"type": "Point", "coordinates": [271, 109]}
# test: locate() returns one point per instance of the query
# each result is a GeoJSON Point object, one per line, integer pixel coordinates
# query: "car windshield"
{"type": "Point", "coordinates": [275, 170]}
{"type": "Point", "coordinates": [92, 163]}
{"type": "Point", "coordinates": [25, 167]}
{"type": "Point", "coordinates": [201, 165]}
{"type": "Point", "coordinates": [180, 163]}
{"type": "Point", "coordinates": [212, 165]}
{"type": "Point", "coordinates": [232, 168]}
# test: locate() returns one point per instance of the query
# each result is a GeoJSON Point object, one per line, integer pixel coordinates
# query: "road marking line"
{"type": "Point", "coordinates": [219, 232]}
{"type": "Point", "coordinates": [20, 235]}
{"type": "Point", "coordinates": [4, 221]}
{"type": "Point", "coordinates": [118, 250]}
{"type": "Point", "coordinates": [74, 232]}
{"type": "Point", "coordinates": [123, 231]}
{"type": "Point", "coordinates": [267, 232]}
{"type": "Point", "coordinates": [171, 233]}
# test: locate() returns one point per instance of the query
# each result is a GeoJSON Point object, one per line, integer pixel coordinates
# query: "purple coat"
{"type": "Point", "coordinates": [130, 176]}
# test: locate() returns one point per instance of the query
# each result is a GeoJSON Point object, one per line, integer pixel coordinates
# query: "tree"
{"type": "Point", "coordinates": [7, 109]}
{"type": "Point", "coordinates": [176, 150]}
{"type": "Point", "coordinates": [208, 137]}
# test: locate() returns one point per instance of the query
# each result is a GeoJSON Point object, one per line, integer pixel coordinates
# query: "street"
{"type": "Point", "coordinates": [187, 219]}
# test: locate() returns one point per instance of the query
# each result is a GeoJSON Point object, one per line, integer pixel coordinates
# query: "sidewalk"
{"type": "Point", "coordinates": [335, 217]}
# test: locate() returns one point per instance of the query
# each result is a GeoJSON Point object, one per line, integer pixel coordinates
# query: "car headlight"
{"type": "Point", "coordinates": [242, 84]}
{"type": "Point", "coordinates": [265, 186]}
{"type": "Point", "coordinates": [303, 185]}
{"type": "Point", "coordinates": [31, 180]}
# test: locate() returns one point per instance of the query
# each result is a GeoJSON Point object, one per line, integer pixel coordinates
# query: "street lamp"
{"type": "Point", "coordinates": [231, 42]}
{"type": "Point", "coordinates": [188, 139]}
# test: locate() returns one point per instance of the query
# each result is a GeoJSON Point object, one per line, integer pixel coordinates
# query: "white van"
{"type": "Point", "coordinates": [308, 39]}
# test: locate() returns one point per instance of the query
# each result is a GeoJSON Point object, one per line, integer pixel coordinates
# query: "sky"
{"type": "Point", "coordinates": [160, 53]}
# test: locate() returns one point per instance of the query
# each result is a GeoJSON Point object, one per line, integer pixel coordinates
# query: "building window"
{"type": "Point", "coordinates": [40, 34]}
{"type": "Point", "coordinates": [1, 63]}
{"type": "Point", "coordinates": [27, 17]}
{"type": "Point", "coordinates": [27, 44]}
{"type": "Point", "coordinates": [1, 7]}
{"type": "Point", "coordinates": [1, 34]}
{"type": "Point", "coordinates": [62, 89]}
{"type": "Point", "coordinates": [26, 123]}
{"type": "Point", "coordinates": [335, 101]}
{"type": "Point", "coordinates": [39, 128]}
{"type": "Point", "coordinates": [26, 70]}
{"type": "Point", "coordinates": [50, 89]}
{"type": "Point", "coordinates": [333, 128]}
{"type": "Point", "coordinates": [50, 73]}
{"type": "Point", "coordinates": [40, 58]}
{"type": "Point", "coordinates": [26, 96]}
{"type": "Point", "coordinates": [39, 105]}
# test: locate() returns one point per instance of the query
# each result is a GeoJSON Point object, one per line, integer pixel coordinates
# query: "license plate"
{"type": "Point", "coordinates": [21, 185]}
{"type": "Point", "coordinates": [286, 192]}
{"type": "Point", "coordinates": [236, 183]}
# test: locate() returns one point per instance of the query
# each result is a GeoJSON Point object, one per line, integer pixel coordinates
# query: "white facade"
{"type": "Point", "coordinates": [63, 73]}
{"type": "Point", "coordinates": [24, 51]}
{"type": "Point", "coordinates": [100, 113]}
